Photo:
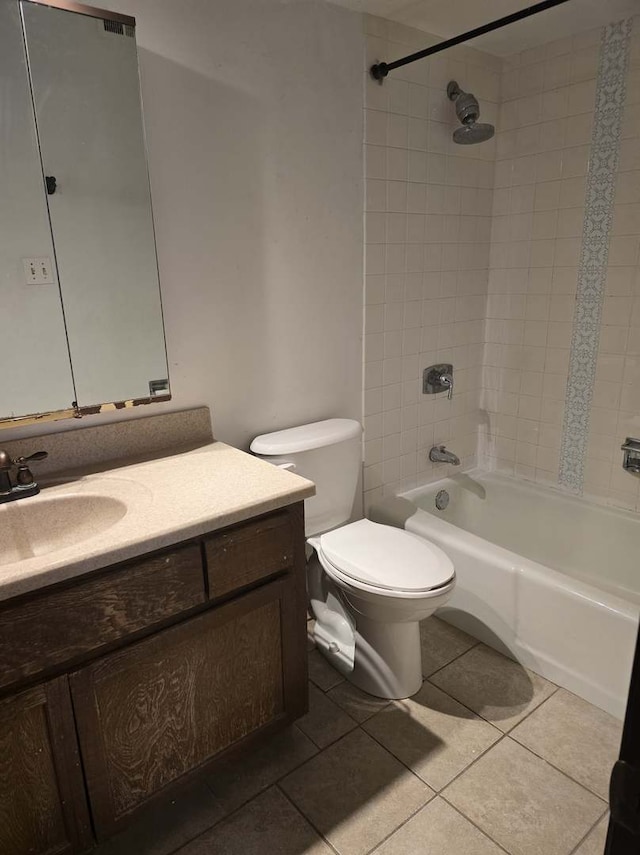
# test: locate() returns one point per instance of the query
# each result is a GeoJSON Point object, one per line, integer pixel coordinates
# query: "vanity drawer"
{"type": "Point", "coordinates": [51, 628]}
{"type": "Point", "coordinates": [250, 552]}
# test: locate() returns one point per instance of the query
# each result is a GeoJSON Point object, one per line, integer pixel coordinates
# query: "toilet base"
{"type": "Point", "coordinates": [371, 638]}
{"type": "Point", "coordinates": [388, 659]}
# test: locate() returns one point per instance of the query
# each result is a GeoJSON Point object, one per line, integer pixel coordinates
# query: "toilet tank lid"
{"type": "Point", "coordinates": [306, 437]}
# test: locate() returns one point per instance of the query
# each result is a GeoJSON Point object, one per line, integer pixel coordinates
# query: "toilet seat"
{"type": "Point", "coordinates": [384, 559]}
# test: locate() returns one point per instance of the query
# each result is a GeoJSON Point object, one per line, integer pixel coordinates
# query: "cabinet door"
{"type": "Point", "coordinates": [165, 706]}
{"type": "Point", "coordinates": [42, 799]}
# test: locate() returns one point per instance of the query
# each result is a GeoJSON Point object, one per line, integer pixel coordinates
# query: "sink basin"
{"type": "Point", "coordinates": [37, 526]}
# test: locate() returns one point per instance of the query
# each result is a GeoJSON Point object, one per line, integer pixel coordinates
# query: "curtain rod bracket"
{"type": "Point", "coordinates": [379, 71]}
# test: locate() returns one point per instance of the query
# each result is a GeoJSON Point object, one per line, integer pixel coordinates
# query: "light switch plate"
{"type": "Point", "coordinates": [38, 271]}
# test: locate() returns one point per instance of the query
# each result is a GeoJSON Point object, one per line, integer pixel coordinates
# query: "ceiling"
{"type": "Point", "coordinates": [450, 17]}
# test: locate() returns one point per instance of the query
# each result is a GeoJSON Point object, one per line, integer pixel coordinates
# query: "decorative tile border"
{"type": "Point", "coordinates": [594, 253]}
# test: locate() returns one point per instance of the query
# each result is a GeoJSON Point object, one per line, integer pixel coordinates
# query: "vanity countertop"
{"type": "Point", "coordinates": [122, 513]}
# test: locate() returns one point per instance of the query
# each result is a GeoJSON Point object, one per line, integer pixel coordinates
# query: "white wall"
{"type": "Point", "coordinates": [253, 110]}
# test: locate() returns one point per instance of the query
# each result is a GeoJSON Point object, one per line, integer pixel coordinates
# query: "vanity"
{"type": "Point", "coordinates": [152, 622]}
{"type": "Point", "coordinates": [152, 613]}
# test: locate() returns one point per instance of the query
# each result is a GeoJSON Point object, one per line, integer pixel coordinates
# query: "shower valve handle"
{"type": "Point", "coordinates": [447, 380]}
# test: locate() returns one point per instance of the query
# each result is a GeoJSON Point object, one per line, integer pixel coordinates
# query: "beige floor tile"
{"type": "Point", "coordinates": [432, 734]}
{"type": "Point", "coordinates": [355, 793]}
{"type": "Point", "coordinates": [325, 722]}
{"type": "Point", "coordinates": [357, 703]}
{"type": "Point", "coordinates": [575, 736]}
{"type": "Point", "coordinates": [523, 803]}
{"type": "Point", "coordinates": [441, 643]}
{"type": "Point", "coordinates": [438, 829]}
{"type": "Point", "coordinates": [321, 673]}
{"type": "Point", "coordinates": [168, 825]}
{"type": "Point", "coordinates": [497, 688]}
{"type": "Point", "coordinates": [237, 781]}
{"type": "Point", "coordinates": [595, 841]}
{"type": "Point", "coordinates": [267, 824]}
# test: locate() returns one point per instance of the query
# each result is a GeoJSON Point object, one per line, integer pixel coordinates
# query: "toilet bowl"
{"type": "Point", "coordinates": [369, 585]}
{"type": "Point", "coordinates": [383, 582]}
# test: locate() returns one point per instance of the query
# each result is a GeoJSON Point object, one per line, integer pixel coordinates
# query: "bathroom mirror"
{"type": "Point", "coordinates": [33, 346]}
{"type": "Point", "coordinates": [87, 211]}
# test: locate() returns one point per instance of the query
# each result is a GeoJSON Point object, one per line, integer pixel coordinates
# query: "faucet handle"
{"type": "Point", "coordinates": [24, 478]}
{"type": "Point", "coordinates": [37, 455]}
{"type": "Point", "coordinates": [447, 381]}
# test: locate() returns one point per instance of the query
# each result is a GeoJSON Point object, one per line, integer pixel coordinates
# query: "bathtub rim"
{"type": "Point", "coordinates": [448, 531]}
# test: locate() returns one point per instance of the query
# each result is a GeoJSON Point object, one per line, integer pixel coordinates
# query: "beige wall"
{"type": "Point", "coordinates": [253, 110]}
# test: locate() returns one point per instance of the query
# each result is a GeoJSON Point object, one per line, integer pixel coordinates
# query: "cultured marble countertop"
{"type": "Point", "coordinates": [61, 532]}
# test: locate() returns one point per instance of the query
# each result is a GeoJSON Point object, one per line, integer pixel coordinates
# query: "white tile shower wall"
{"type": "Point", "coordinates": [594, 251]}
{"type": "Point", "coordinates": [543, 150]}
{"type": "Point", "coordinates": [615, 411]}
{"type": "Point", "coordinates": [427, 233]}
{"type": "Point", "coordinates": [543, 137]}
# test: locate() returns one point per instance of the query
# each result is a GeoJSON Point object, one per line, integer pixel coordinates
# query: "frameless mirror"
{"type": "Point", "coordinates": [36, 373]}
{"type": "Point", "coordinates": [85, 209]}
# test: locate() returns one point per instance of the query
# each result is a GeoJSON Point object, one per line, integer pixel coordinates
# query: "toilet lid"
{"type": "Point", "coordinates": [386, 557]}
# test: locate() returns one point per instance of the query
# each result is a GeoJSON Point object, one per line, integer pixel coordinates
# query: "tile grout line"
{"type": "Point", "coordinates": [503, 732]}
{"type": "Point", "coordinates": [451, 661]}
{"type": "Point", "coordinates": [468, 819]}
{"type": "Point", "coordinates": [593, 827]}
{"type": "Point", "coordinates": [406, 768]}
{"type": "Point", "coordinates": [340, 709]}
{"type": "Point", "coordinates": [475, 759]}
{"type": "Point", "coordinates": [262, 790]}
{"type": "Point", "coordinates": [442, 793]}
{"type": "Point", "coordinates": [405, 821]}
{"type": "Point", "coordinates": [557, 768]}
{"type": "Point", "coordinates": [308, 821]}
{"type": "Point", "coordinates": [507, 734]}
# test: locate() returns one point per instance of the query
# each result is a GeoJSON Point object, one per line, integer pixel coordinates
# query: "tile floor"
{"type": "Point", "coordinates": [487, 758]}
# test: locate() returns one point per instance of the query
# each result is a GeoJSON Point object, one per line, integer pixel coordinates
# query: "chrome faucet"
{"type": "Point", "coordinates": [439, 454]}
{"type": "Point", "coordinates": [25, 484]}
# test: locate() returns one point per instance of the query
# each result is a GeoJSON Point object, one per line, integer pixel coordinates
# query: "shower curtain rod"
{"type": "Point", "coordinates": [380, 70]}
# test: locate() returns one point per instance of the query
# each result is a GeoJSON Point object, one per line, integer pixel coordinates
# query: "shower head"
{"type": "Point", "coordinates": [474, 133]}
{"type": "Point", "coordinates": [468, 112]}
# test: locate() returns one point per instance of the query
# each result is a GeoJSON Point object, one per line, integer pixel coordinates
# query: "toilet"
{"type": "Point", "coordinates": [369, 585]}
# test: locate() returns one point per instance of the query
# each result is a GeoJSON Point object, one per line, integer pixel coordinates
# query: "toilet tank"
{"type": "Point", "coordinates": [329, 453]}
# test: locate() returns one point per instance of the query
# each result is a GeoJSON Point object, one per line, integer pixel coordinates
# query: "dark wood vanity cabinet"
{"type": "Point", "coordinates": [43, 808]}
{"type": "Point", "coordinates": [158, 682]}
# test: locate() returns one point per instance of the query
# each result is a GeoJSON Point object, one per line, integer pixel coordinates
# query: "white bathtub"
{"type": "Point", "coordinates": [550, 579]}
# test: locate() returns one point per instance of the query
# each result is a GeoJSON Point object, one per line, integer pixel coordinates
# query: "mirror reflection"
{"type": "Point", "coordinates": [79, 204]}
{"type": "Point", "coordinates": [33, 346]}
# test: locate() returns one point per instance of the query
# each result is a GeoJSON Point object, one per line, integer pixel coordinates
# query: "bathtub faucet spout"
{"type": "Point", "coordinates": [439, 454]}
